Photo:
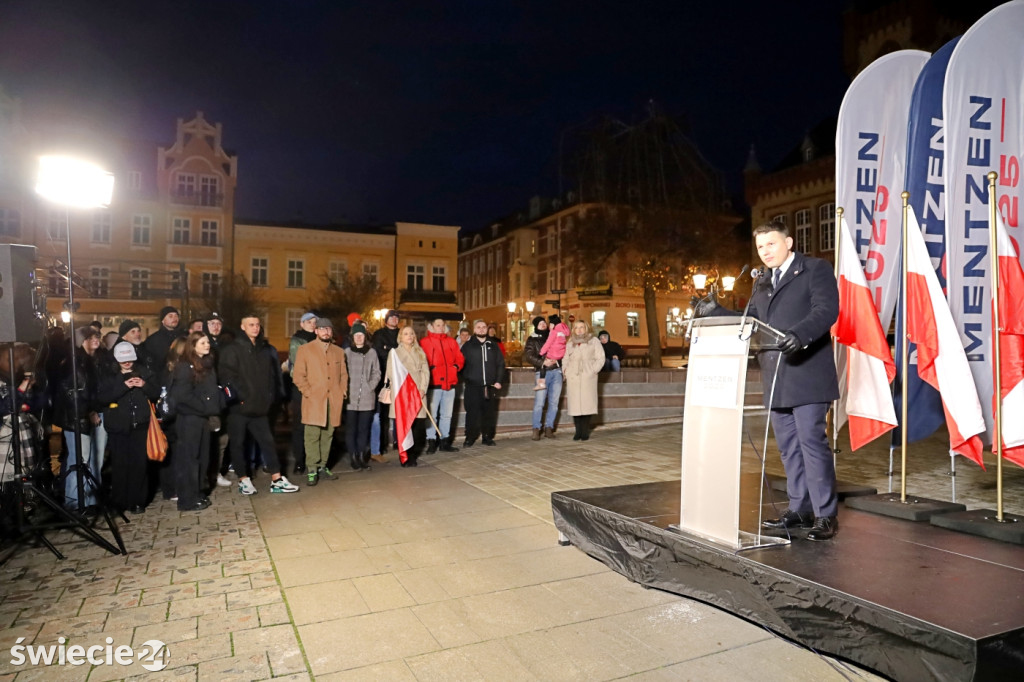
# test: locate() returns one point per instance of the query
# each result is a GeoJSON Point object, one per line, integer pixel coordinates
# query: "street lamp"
{"type": "Point", "coordinates": [73, 183]}
{"type": "Point", "coordinates": [699, 280]}
{"type": "Point", "coordinates": [511, 305]}
{"type": "Point", "coordinates": [530, 305]}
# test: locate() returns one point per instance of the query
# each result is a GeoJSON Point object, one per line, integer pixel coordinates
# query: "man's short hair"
{"type": "Point", "coordinates": [246, 316]}
{"type": "Point", "coordinates": [775, 225]}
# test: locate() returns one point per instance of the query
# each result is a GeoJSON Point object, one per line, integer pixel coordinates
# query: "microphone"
{"type": "Point", "coordinates": [745, 268]}
{"type": "Point", "coordinates": [755, 273]}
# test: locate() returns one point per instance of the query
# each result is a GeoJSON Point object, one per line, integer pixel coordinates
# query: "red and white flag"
{"type": "Point", "coordinates": [941, 360]}
{"type": "Point", "coordinates": [869, 366]}
{"type": "Point", "coordinates": [405, 395]}
{"type": "Point", "coordinates": [1011, 344]}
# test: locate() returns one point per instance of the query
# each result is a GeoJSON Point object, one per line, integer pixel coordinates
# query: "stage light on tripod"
{"type": "Point", "coordinates": [72, 182]}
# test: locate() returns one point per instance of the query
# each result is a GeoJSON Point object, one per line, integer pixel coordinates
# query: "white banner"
{"type": "Point", "coordinates": [984, 132]}
{"type": "Point", "coordinates": [871, 151]}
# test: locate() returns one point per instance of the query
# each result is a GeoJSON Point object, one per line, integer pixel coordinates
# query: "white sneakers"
{"type": "Point", "coordinates": [283, 485]}
{"type": "Point", "coordinates": [246, 487]}
{"type": "Point", "coordinates": [223, 482]}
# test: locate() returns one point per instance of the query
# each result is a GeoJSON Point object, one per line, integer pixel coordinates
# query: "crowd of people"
{"type": "Point", "coordinates": [217, 395]}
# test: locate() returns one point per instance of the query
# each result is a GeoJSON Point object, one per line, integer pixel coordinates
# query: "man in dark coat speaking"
{"type": "Point", "coordinates": [798, 295]}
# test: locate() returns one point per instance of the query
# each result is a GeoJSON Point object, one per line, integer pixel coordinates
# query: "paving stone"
{"type": "Point", "coordinates": [222, 585]}
{"type": "Point", "coordinates": [185, 608]}
{"type": "Point", "coordinates": [264, 595]}
{"type": "Point", "coordinates": [279, 644]}
{"type": "Point", "coordinates": [273, 614]}
{"type": "Point", "coordinates": [228, 621]}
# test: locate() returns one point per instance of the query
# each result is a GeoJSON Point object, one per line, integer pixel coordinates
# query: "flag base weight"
{"type": "Point", "coordinates": [983, 522]}
{"type": "Point", "coordinates": [914, 509]}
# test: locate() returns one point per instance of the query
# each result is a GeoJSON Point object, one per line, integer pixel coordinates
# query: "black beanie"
{"type": "Point", "coordinates": [167, 310]}
{"type": "Point", "coordinates": [537, 320]}
{"type": "Point", "coordinates": [554, 319]}
{"type": "Point", "coordinates": [127, 326]}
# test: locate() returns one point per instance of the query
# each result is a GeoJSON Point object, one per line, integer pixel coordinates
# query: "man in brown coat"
{"type": "Point", "coordinates": [321, 375]}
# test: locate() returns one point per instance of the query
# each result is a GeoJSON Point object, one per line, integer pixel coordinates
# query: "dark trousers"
{"type": "Point", "coordinates": [298, 430]}
{"type": "Point", "coordinates": [383, 409]}
{"type": "Point", "coordinates": [165, 469]}
{"type": "Point", "coordinates": [481, 413]}
{"type": "Point", "coordinates": [191, 458]}
{"type": "Point", "coordinates": [807, 458]}
{"type": "Point", "coordinates": [129, 477]}
{"type": "Point", "coordinates": [357, 433]}
{"type": "Point", "coordinates": [259, 429]}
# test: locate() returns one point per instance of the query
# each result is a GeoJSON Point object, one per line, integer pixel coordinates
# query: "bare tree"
{"type": "Point", "coordinates": [651, 205]}
{"type": "Point", "coordinates": [234, 298]}
{"type": "Point", "coordinates": [348, 293]}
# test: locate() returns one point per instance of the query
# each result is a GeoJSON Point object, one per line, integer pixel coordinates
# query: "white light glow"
{"type": "Point", "coordinates": [529, 306]}
{"type": "Point", "coordinates": [728, 283]}
{"type": "Point", "coordinates": [65, 316]}
{"type": "Point", "coordinates": [511, 305]}
{"type": "Point", "coordinates": [71, 182]}
{"type": "Point", "coordinates": [700, 280]}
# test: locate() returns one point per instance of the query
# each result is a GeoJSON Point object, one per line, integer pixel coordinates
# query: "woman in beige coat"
{"type": "Point", "coordinates": [584, 359]}
{"type": "Point", "coordinates": [412, 357]}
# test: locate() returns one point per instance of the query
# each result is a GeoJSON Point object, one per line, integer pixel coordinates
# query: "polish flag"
{"type": "Point", "coordinates": [407, 401]}
{"type": "Point", "coordinates": [941, 360]}
{"type": "Point", "coordinates": [1011, 344]}
{"type": "Point", "coordinates": [869, 364]}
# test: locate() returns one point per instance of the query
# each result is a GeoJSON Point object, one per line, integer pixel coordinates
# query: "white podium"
{"type": "Point", "coordinates": [714, 425]}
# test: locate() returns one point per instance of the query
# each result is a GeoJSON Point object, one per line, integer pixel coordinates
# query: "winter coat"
{"type": "Point", "coordinates": [155, 349]}
{"type": "Point", "coordinates": [415, 362]}
{"type": "Point", "coordinates": [127, 409]}
{"type": "Point", "coordinates": [384, 339]}
{"type": "Point", "coordinates": [246, 368]}
{"type": "Point", "coordinates": [88, 401]}
{"type": "Point", "coordinates": [299, 339]}
{"type": "Point", "coordinates": [321, 375]}
{"type": "Point", "coordinates": [554, 347]}
{"type": "Point", "coordinates": [582, 363]}
{"type": "Point", "coordinates": [612, 349]}
{"type": "Point", "coordinates": [202, 398]}
{"type": "Point", "coordinates": [806, 302]}
{"type": "Point", "coordinates": [363, 378]}
{"type": "Point", "coordinates": [485, 364]}
{"type": "Point", "coordinates": [531, 351]}
{"type": "Point", "coordinates": [444, 358]}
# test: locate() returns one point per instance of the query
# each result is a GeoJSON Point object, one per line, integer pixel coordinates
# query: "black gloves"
{"type": "Point", "coordinates": [703, 307]}
{"type": "Point", "coordinates": [789, 343]}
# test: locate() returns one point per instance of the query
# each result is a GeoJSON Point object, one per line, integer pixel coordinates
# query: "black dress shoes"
{"type": "Point", "coordinates": [825, 528]}
{"type": "Point", "coordinates": [198, 506]}
{"type": "Point", "coordinates": [488, 441]}
{"type": "Point", "coordinates": [790, 519]}
{"type": "Point", "coordinates": [447, 447]}
{"type": "Point", "coordinates": [468, 443]}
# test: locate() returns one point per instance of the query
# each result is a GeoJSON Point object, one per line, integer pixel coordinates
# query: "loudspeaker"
{"type": "Point", "coordinates": [19, 320]}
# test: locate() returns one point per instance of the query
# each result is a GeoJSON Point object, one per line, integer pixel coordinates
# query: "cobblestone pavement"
{"type": "Point", "coordinates": [446, 571]}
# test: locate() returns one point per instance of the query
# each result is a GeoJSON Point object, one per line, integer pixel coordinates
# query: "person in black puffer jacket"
{"type": "Point", "coordinates": [197, 399]}
{"type": "Point", "coordinates": [127, 391]}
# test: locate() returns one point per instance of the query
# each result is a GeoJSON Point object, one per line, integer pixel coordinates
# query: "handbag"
{"type": "Point", "coordinates": [156, 441]}
{"type": "Point", "coordinates": [385, 394]}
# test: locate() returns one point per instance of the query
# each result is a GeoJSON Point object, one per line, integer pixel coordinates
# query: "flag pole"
{"type": "Point", "coordinates": [997, 438]}
{"type": "Point", "coordinates": [838, 244]}
{"type": "Point", "coordinates": [904, 357]}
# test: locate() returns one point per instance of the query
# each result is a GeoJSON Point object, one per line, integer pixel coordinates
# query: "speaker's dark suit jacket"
{"type": "Point", "coordinates": [806, 303]}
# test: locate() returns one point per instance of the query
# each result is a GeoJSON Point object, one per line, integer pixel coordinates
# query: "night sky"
{"type": "Point", "coordinates": [440, 112]}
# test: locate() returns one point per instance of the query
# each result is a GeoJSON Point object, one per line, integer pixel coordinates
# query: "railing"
{"type": "Point", "coordinates": [198, 199]}
{"type": "Point", "coordinates": [426, 296]}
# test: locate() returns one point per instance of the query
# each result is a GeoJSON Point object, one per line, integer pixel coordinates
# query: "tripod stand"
{"type": "Point", "coordinates": [25, 486]}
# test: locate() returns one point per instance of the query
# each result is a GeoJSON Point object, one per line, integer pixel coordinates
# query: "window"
{"type": "Point", "coordinates": [134, 180]}
{"type": "Point", "coordinates": [490, 261]}
{"type": "Point", "coordinates": [337, 271]}
{"type": "Point", "coordinates": [597, 320]}
{"type": "Point", "coordinates": [180, 228]}
{"type": "Point", "coordinates": [292, 317]}
{"type": "Point", "coordinates": [296, 273]}
{"type": "Point", "coordinates": [260, 267]}
{"type": "Point", "coordinates": [552, 279]}
{"type": "Point", "coordinates": [10, 222]}
{"type": "Point", "coordinates": [414, 276]}
{"type": "Point", "coordinates": [439, 278]}
{"type": "Point", "coordinates": [371, 270]}
{"type": "Point", "coordinates": [827, 226]}
{"type": "Point", "coordinates": [211, 284]}
{"type": "Point", "coordinates": [209, 233]}
{"type": "Point", "coordinates": [139, 283]}
{"type": "Point", "coordinates": [490, 295]}
{"type": "Point", "coordinates": [497, 288]}
{"type": "Point", "coordinates": [101, 226]}
{"type": "Point", "coordinates": [782, 218]}
{"type": "Point", "coordinates": [633, 325]}
{"type": "Point", "coordinates": [56, 225]}
{"type": "Point", "coordinates": [802, 224]}
{"type": "Point", "coordinates": [99, 282]}
{"type": "Point", "coordinates": [498, 259]}
{"type": "Point", "coordinates": [209, 191]}
{"type": "Point", "coordinates": [174, 280]}
{"type": "Point", "coordinates": [186, 184]}
{"type": "Point", "coordinates": [141, 227]}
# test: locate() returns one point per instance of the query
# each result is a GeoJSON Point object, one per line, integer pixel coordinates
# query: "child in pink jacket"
{"type": "Point", "coordinates": [554, 347]}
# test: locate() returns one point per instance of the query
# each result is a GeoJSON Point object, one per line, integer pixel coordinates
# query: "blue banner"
{"type": "Point", "coordinates": [925, 181]}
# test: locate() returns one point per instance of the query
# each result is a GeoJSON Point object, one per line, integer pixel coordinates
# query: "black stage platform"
{"type": "Point", "coordinates": [908, 600]}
